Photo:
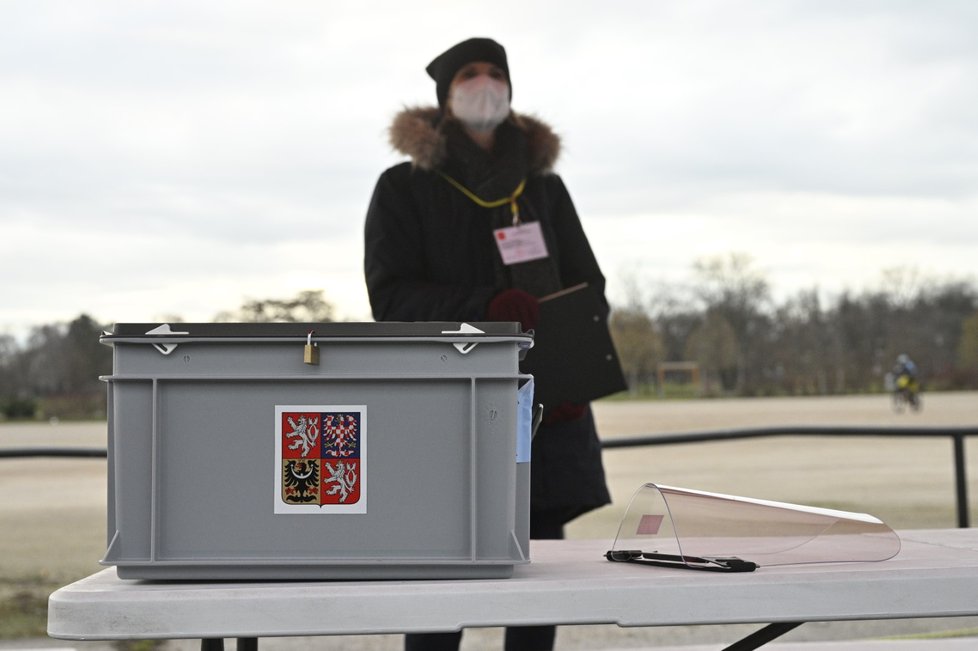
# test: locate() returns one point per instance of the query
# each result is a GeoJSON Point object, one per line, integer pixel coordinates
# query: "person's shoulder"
{"type": "Point", "coordinates": [398, 169]}
{"type": "Point", "coordinates": [401, 172]}
{"type": "Point", "coordinates": [548, 179]}
{"type": "Point", "coordinates": [403, 176]}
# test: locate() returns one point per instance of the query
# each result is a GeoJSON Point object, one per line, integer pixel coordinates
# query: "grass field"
{"type": "Point", "coordinates": [52, 511]}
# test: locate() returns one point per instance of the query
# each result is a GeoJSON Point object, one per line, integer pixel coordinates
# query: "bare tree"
{"type": "Point", "coordinates": [730, 287]}
{"type": "Point", "coordinates": [713, 345]}
{"type": "Point", "coordinates": [307, 306]}
{"type": "Point", "coordinates": [968, 345]}
{"type": "Point", "coordinates": [634, 334]}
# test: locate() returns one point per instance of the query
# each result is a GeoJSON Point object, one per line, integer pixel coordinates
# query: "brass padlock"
{"type": "Point", "coordinates": [311, 353]}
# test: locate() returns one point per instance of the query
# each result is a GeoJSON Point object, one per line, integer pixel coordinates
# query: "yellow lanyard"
{"type": "Point", "coordinates": [479, 201]}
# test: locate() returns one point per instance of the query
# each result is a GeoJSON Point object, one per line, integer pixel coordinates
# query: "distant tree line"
{"type": "Point", "coordinates": [59, 365]}
{"type": "Point", "coordinates": [725, 321]}
{"type": "Point", "coordinates": [55, 373]}
{"type": "Point", "coordinates": [746, 345]}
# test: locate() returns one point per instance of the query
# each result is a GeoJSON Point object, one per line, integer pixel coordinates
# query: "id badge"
{"type": "Point", "coordinates": [521, 243]}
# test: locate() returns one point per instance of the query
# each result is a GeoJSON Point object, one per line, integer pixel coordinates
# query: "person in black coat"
{"type": "Point", "coordinates": [435, 250]}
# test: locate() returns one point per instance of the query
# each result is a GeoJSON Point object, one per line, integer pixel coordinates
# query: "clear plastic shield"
{"type": "Point", "coordinates": [668, 525]}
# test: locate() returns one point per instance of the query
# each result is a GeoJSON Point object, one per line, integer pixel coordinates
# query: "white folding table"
{"type": "Point", "coordinates": [569, 582]}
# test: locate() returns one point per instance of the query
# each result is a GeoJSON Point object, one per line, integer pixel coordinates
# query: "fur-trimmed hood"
{"type": "Point", "coordinates": [417, 132]}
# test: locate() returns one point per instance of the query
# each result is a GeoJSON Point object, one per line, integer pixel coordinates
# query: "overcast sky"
{"type": "Point", "coordinates": [177, 158]}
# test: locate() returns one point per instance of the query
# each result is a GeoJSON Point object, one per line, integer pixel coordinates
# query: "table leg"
{"type": "Point", "coordinates": [247, 644]}
{"type": "Point", "coordinates": [763, 636]}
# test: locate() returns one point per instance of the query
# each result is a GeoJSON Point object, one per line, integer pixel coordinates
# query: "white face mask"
{"type": "Point", "coordinates": [480, 103]}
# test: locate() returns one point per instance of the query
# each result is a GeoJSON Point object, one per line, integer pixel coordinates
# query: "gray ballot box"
{"type": "Point", "coordinates": [317, 451]}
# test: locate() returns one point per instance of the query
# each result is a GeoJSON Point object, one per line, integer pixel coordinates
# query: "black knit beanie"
{"type": "Point", "coordinates": [446, 64]}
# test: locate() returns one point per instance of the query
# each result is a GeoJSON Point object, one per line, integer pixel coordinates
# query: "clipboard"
{"type": "Point", "coordinates": [573, 358]}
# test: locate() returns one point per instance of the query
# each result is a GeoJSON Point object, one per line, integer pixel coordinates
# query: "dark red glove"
{"type": "Point", "coordinates": [515, 305]}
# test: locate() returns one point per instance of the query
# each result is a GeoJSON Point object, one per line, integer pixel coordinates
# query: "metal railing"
{"type": "Point", "coordinates": [18, 453]}
{"type": "Point", "coordinates": [957, 435]}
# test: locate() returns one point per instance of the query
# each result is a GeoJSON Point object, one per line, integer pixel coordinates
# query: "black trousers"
{"type": "Point", "coordinates": [518, 638]}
